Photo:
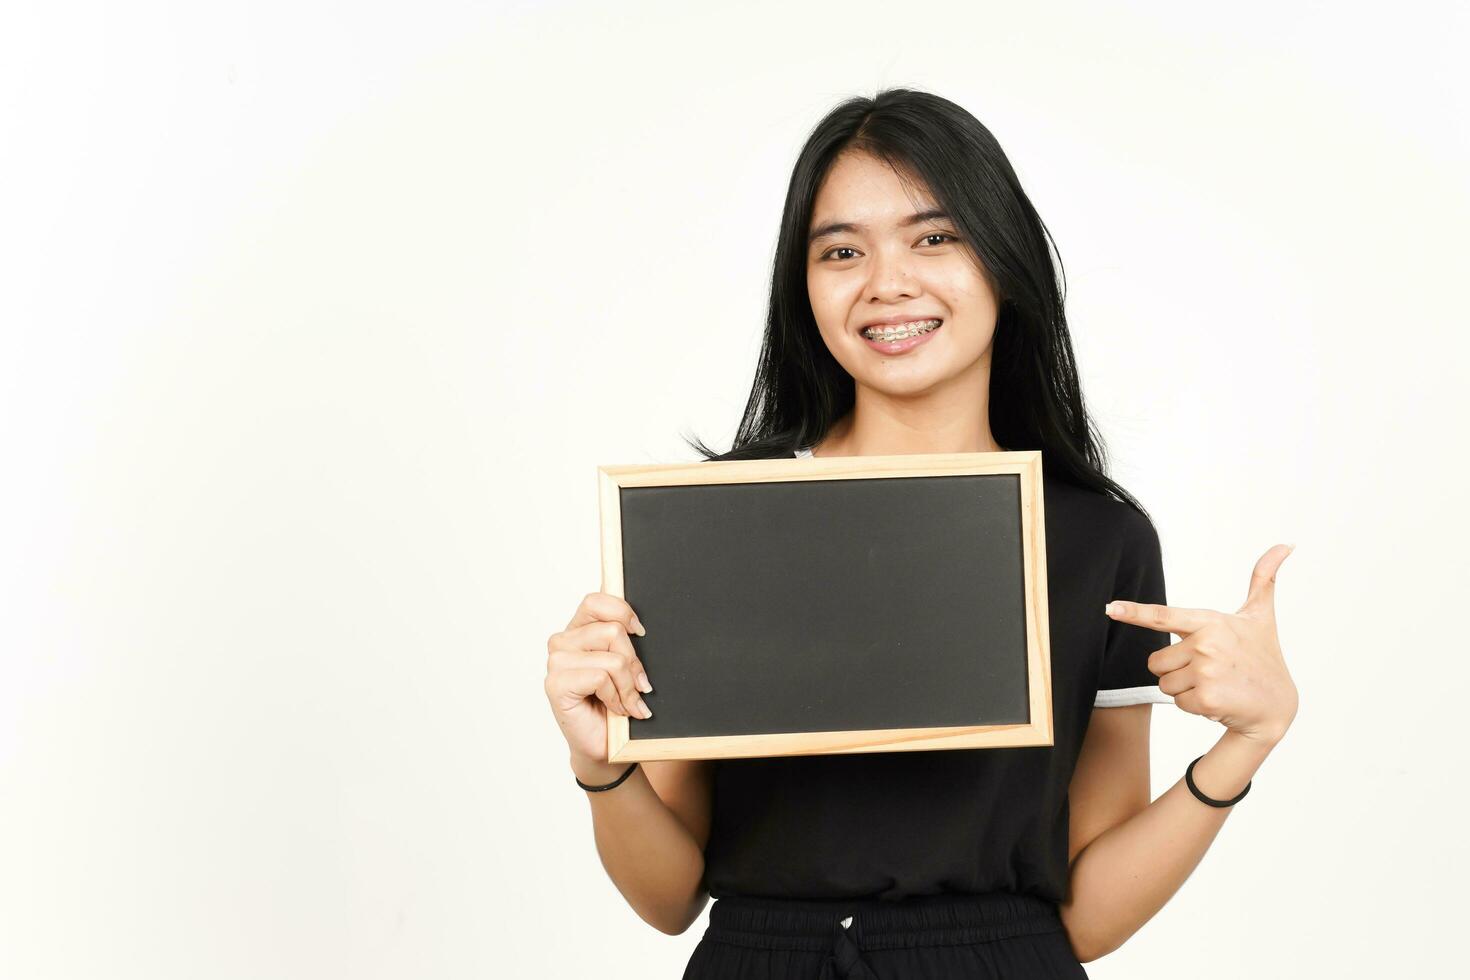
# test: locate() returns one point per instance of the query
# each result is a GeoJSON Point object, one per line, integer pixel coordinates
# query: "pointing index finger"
{"type": "Point", "coordinates": [1166, 619]}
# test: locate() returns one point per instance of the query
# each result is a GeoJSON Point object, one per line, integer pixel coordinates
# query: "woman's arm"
{"type": "Point", "coordinates": [1227, 667]}
{"type": "Point", "coordinates": [651, 828]}
{"type": "Point", "coordinates": [651, 832]}
{"type": "Point", "coordinates": [1129, 856]}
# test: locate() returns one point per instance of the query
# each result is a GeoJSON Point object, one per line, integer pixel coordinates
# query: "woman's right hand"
{"type": "Point", "coordinates": [591, 669]}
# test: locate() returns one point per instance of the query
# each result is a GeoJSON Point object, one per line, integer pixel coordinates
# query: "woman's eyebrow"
{"type": "Point", "coordinates": [839, 227]}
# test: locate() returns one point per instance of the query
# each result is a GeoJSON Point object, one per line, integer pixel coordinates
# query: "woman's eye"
{"type": "Point", "coordinates": [844, 248]}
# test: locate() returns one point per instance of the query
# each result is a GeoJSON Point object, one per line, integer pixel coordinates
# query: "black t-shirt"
{"type": "Point", "coordinates": [889, 825]}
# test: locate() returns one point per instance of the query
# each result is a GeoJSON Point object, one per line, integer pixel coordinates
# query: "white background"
{"type": "Point", "coordinates": [316, 320]}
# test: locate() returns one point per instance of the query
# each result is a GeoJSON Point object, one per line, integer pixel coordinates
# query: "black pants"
{"type": "Point", "coordinates": [995, 936]}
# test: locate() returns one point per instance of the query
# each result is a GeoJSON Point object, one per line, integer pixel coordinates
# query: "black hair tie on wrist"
{"type": "Point", "coordinates": [1189, 778]}
{"type": "Point", "coordinates": [598, 789]}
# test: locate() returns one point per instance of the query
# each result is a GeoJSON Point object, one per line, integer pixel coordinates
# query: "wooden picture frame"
{"type": "Point", "coordinates": [1010, 475]}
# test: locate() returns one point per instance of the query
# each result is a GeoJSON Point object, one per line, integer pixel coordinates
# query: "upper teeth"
{"type": "Point", "coordinates": [898, 331]}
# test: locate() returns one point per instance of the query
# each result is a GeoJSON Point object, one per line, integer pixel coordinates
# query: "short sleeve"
{"type": "Point", "coordinates": [1125, 677]}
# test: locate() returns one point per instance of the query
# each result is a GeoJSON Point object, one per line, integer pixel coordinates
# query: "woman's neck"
{"type": "Point", "coordinates": [879, 433]}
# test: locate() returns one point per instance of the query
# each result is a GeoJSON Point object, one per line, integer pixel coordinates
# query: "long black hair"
{"type": "Point", "coordinates": [1035, 397]}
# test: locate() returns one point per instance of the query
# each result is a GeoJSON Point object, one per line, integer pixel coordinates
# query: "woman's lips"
{"type": "Point", "coordinates": [900, 346]}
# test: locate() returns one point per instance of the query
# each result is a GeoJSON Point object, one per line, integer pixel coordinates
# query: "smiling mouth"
{"type": "Point", "coordinates": [901, 331]}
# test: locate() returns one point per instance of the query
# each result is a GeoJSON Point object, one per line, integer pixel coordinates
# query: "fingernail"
{"type": "Point", "coordinates": [1112, 608]}
{"type": "Point", "coordinates": [643, 684]}
{"type": "Point", "coordinates": [638, 626]}
{"type": "Point", "coordinates": [647, 711]}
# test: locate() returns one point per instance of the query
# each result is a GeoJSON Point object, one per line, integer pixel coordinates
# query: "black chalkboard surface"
{"type": "Point", "coordinates": [831, 605]}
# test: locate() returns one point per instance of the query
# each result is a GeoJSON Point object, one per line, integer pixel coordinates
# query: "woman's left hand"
{"type": "Point", "coordinates": [1226, 666]}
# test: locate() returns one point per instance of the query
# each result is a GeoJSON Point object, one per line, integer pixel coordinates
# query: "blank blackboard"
{"type": "Point", "coordinates": [832, 605]}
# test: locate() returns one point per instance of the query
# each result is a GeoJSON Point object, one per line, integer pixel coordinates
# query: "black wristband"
{"type": "Point", "coordinates": [598, 789]}
{"type": "Point", "coordinates": [1189, 779]}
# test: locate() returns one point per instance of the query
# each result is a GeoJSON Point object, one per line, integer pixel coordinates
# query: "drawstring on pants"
{"type": "Point", "coordinates": [845, 960]}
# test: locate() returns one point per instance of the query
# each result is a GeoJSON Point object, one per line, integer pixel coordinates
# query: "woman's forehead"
{"type": "Point", "coordinates": [869, 196]}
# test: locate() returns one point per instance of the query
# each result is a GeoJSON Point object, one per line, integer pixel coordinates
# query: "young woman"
{"type": "Point", "coordinates": [914, 309]}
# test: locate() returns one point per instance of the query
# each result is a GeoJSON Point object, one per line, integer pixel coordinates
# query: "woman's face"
{"type": "Point", "coordinates": [883, 267]}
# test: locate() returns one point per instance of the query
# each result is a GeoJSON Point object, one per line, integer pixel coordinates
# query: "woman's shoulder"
{"type": "Point", "coordinates": [1099, 515]}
